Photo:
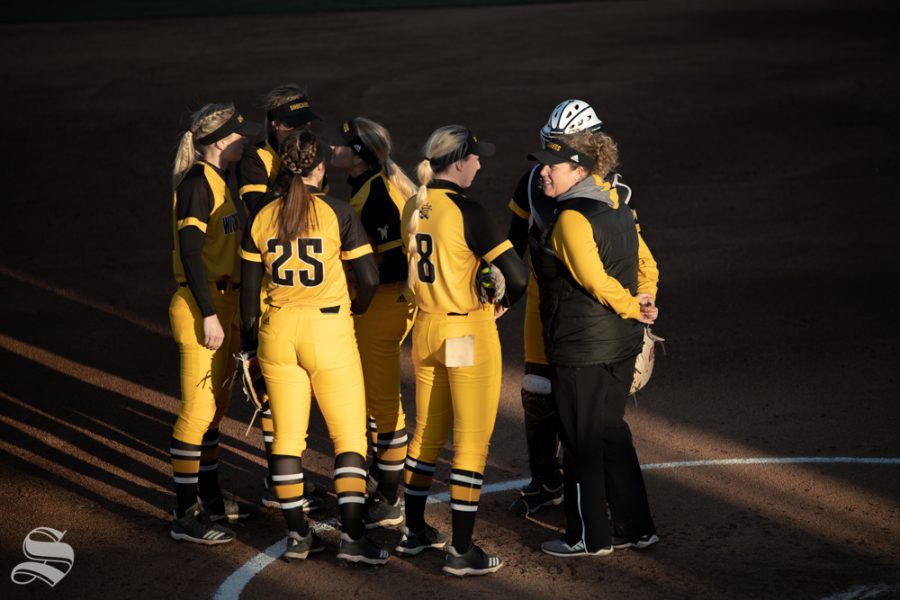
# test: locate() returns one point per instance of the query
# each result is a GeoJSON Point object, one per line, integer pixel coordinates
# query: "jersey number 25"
{"type": "Point", "coordinates": [311, 274]}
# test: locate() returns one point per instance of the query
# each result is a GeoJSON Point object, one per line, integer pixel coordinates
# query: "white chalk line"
{"type": "Point", "coordinates": [232, 587]}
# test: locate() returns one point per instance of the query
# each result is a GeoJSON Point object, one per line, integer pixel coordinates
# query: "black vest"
{"type": "Point", "coordinates": [578, 330]}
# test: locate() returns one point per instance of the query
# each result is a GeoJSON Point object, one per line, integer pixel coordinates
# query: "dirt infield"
{"type": "Point", "coordinates": [761, 141]}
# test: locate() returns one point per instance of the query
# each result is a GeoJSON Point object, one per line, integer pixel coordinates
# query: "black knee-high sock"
{"type": "Point", "coordinates": [463, 526]}
{"type": "Point", "coordinates": [209, 471]}
{"type": "Point", "coordinates": [417, 477]}
{"type": "Point", "coordinates": [350, 485]}
{"type": "Point", "coordinates": [465, 492]}
{"type": "Point", "coordinates": [391, 448]}
{"type": "Point", "coordinates": [268, 432]}
{"type": "Point", "coordinates": [185, 460]}
{"type": "Point", "coordinates": [287, 481]}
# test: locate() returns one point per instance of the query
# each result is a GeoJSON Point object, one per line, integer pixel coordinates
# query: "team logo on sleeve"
{"type": "Point", "coordinates": [230, 223]}
{"type": "Point", "coordinates": [383, 232]}
{"type": "Point", "coordinates": [49, 558]}
{"type": "Point", "coordinates": [425, 211]}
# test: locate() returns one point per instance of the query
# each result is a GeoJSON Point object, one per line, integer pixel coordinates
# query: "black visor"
{"type": "Point", "coordinates": [346, 133]}
{"type": "Point", "coordinates": [293, 113]}
{"type": "Point", "coordinates": [471, 146]}
{"type": "Point", "coordinates": [556, 152]}
{"type": "Point", "coordinates": [236, 124]}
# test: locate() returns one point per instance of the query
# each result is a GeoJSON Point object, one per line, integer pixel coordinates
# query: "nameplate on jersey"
{"type": "Point", "coordinates": [460, 351]}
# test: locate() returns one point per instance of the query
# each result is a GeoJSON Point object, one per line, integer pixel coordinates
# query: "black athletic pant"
{"type": "Point", "coordinates": [600, 465]}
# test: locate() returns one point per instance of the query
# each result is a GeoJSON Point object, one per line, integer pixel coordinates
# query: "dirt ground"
{"type": "Point", "coordinates": [761, 141]}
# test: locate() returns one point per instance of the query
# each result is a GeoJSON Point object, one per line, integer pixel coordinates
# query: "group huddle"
{"type": "Point", "coordinates": [320, 293]}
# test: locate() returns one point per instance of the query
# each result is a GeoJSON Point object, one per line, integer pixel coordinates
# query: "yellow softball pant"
{"type": "Point", "coordinates": [465, 398]}
{"type": "Point", "coordinates": [380, 333]}
{"type": "Point", "coordinates": [534, 336]}
{"type": "Point", "coordinates": [303, 346]}
{"type": "Point", "coordinates": [205, 374]}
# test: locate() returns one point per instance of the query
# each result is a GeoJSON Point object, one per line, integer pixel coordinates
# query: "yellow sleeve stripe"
{"type": "Point", "coordinates": [356, 252]}
{"type": "Point", "coordinates": [518, 210]}
{"type": "Point", "coordinates": [389, 246]}
{"type": "Point", "coordinates": [191, 222]}
{"type": "Point", "coordinates": [252, 187]}
{"type": "Point", "coordinates": [251, 256]}
{"type": "Point", "coordinates": [498, 250]}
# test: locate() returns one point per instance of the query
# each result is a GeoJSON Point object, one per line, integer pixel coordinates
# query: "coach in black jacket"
{"type": "Point", "coordinates": [587, 268]}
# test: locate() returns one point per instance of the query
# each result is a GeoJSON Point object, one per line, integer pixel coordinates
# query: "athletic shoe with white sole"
{"type": "Point", "coordinates": [234, 509]}
{"type": "Point", "coordinates": [638, 543]}
{"type": "Point", "coordinates": [300, 547]}
{"type": "Point", "coordinates": [474, 561]}
{"type": "Point", "coordinates": [412, 544]}
{"type": "Point", "coordinates": [381, 513]}
{"type": "Point", "coordinates": [196, 527]}
{"type": "Point", "coordinates": [536, 497]}
{"type": "Point", "coordinates": [563, 550]}
{"type": "Point", "coordinates": [362, 550]}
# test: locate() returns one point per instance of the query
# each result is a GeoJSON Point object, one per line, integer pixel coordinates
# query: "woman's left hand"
{"type": "Point", "coordinates": [649, 310]}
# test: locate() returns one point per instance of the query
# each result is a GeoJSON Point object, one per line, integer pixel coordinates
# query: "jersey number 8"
{"type": "Point", "coordinates": [306, 250]}
{"type": "Point", "coordinates": [424, 266]}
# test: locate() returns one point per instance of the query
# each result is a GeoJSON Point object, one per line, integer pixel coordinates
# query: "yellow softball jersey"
{"type": "Point", "coordinates": [307, 272]}
{"type": "Point", "coordinates": [454, 234]}
{"type": "Point", "coordinates": [204, 201]}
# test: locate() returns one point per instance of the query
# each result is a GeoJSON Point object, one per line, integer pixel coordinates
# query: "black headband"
{"type": "Point", "coordinates": [236, 124]}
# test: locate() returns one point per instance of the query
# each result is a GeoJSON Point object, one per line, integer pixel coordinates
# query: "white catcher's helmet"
{"type": "Point", "coordinates": [570, 116]}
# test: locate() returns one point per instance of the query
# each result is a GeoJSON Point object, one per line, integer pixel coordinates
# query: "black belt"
{"type": "Point", "coordinates": [330, 310]}
{"type": "Point", "coordinates": [457, 314]}
{"type": "Point", "coordinates": [220, 285]}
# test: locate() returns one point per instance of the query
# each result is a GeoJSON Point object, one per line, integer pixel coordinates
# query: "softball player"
{"type": "Point", "coordinates": [591, 310]}
{"type": "Point", "coordinates": [380, 189]}
{"type": "Point", "coordinates": [203, 313]}
{"type": "Point", "coordinates": [298, 242]}
{"type": "Point", "coordinates": [532, 212]}
{"type": "Point", "coordinates": [287, 110]}
{"type": "Point", "coordinates": [456, 349]}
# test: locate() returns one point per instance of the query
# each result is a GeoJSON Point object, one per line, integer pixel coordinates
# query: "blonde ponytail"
{"type": "Point", "coordinates": [425, 175]}
{"type": "Point", "coordinates": [203, 122]}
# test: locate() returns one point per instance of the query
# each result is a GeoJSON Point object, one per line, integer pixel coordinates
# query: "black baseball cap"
{"type": "Point", "coordinates": [556, 152]}
{"type": "Point", "coordinates": [346, 133]}
{"type": "Point", "coordinates": [293, 113]}
{"type": "Point", "coordinates": [236, 124]}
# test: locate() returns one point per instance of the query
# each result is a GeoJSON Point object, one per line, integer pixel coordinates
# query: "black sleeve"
{"type": "Point", "coordinates": [251, 281]}
{"type": "Point", "coordinates": [252, 172]}
{"type": "Point", "coordinates": [380, 216]}
{"type": "Point", "coordinates": [194, 201]}
{"type": "Point", "coordinates": [518, 233]}
{"type": "Point", "coordinates": [366, 281]}
{"type": "Point", "coordinates": [394, 266]}
{"type": "Point", "coordinates": [516, 274]}
{"type": "Point", "coordinates": [480, 230]}
{"type": "Point", "coordinates": [190, 239]}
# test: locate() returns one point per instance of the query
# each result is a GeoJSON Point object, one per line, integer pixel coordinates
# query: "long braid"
{"type": "Point", "coordinates": [300, 153]}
